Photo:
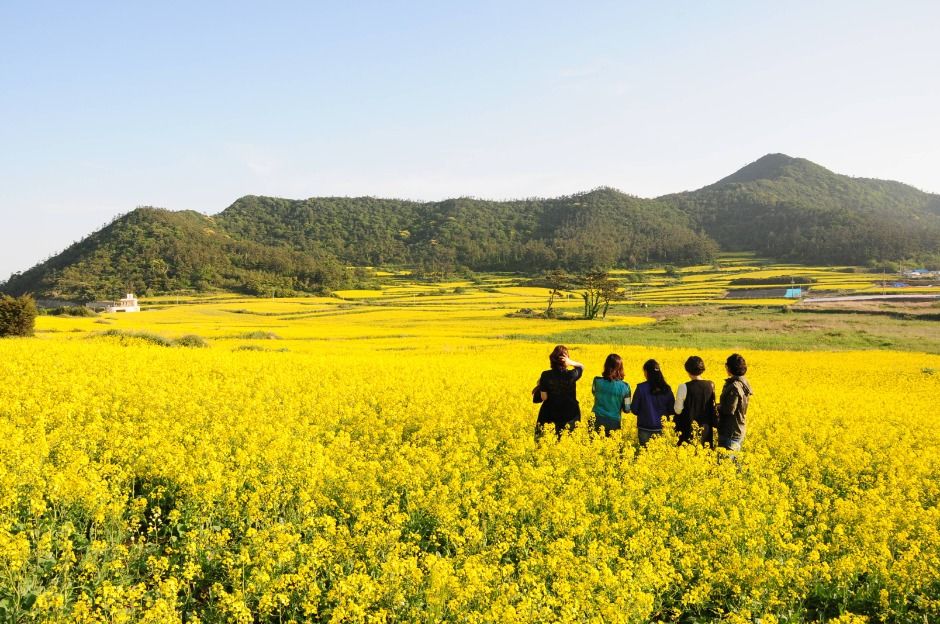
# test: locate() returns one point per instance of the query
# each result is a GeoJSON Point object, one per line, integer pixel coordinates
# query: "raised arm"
{"type": "Point", "coordinates": [578, 368]}
{"type": "Point", "coordinates": [569, 362]}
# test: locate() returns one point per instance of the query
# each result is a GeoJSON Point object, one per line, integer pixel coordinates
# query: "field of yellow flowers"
{"type": "Point", "coordinates": [340, 463]}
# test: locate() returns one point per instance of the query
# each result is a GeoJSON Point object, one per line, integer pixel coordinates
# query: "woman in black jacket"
{"type": "Point", "coordinates": [557, 392]}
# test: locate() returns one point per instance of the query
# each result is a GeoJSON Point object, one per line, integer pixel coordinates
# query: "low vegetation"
{"type": "Point", "coordinates": [131, 338]}
{"type": "Point", "coordinates": [17, 316]}
{"type": "Point", "coordinates": [384, 467]}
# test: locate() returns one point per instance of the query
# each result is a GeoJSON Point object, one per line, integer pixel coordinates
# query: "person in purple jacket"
{"type": "Point", "coordinates": [652, 400]}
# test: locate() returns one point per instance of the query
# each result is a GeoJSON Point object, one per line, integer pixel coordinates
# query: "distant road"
{"type": "Point", "coordinates": [911, 297]}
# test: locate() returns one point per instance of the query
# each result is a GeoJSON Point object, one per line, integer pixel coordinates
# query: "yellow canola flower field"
{"type": "Point", "coordinates": [387, 472]}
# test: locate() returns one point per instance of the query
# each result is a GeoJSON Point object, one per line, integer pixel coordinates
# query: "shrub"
{"type": "Point", "coordinates": [71, 311]}
{"type": "Point", "coordinates": [17, 316]}
{"type": "Point", "coordinates": [192, 340]}
{"type": "Point", "coordinates": [259, 348]}
{"type": "Point", "coordinates": [126, 337]}
{"type": "Point", "coordinates": [259, 335]}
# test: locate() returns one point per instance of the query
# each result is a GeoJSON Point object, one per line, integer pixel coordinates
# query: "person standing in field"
{"type": "Point", "coordinates": [695, 402]}
{"type": "Point", "coordinates": [557, 392]}
{"type": "Point", "coordinates": [732, 406]}
{"type": "Point", "coordinates": [652, 401]}
{"type": "Point", "coordinates": [611, 395]}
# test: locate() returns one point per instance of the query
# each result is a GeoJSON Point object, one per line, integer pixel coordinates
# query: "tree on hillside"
{"type": "Point", "coordinates": [17, 316]}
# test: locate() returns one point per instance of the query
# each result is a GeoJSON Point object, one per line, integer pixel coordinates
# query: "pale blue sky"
{"type": "Point", "coordinates": [190, 105]}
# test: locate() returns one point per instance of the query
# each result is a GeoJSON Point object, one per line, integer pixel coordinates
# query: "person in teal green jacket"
{"type": "Point", "coordinates": [611, 395]}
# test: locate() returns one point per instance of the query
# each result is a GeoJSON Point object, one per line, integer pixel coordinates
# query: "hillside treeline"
{"type": "Point", "coordinates": [601, 228]}
{"type": "Point", "coordinates": [777, 207]}
{"type": "Point", "coordinates": [152, 251]}
{"type": "Point", "coordinates": [793, 209]}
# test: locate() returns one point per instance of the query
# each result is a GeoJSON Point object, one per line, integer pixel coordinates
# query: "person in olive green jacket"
{"type": "Point", "coordinates": [732, 406]}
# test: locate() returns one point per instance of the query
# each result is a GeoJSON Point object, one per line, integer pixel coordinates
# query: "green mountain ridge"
{"type": "Point", "coordinates": [157, 250]}
{"type": "Point", "coordinates": [597, 228]}
{"type": "Point", "coordinates": [794, 209]}
{"type": "Point", "coordinates": [777, 206]}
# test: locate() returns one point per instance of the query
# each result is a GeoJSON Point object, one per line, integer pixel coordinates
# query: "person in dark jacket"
{"type": "Point", "coordinates": [653, 400]}
{"type": "Point", "coordinates": [732, 406]}
{"type": "Point", "coordinates": [557, 391]}
{"type": "Point", "coordinates": [695, 403]}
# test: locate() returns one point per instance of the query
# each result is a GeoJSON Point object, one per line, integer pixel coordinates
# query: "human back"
{"type": "Point", "coordinates": [652, 400]}
{"type": "Point", "coordinates": [733, 404]}
{"type": "Point", "coordinates": [558, 391]}
{"type": "Point", "coordinates": [611, 395]}
{"type": "Point", "coordinates": [695, 403]}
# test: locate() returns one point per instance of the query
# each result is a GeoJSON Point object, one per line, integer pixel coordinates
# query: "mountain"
{"type": "Point", "coordinates": [791, 208]}
{"type": "Point", "coordinates": [777, 206]}
{"type": "Point", "coordinates": [155, 250]}
{"type": "Point", "coordinates": [601, 228]}
{"type": "Point", "coordinates": [262, 245]}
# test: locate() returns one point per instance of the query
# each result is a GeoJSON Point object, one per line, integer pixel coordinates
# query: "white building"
{"type": "Point", "coordinates": [127, 304]}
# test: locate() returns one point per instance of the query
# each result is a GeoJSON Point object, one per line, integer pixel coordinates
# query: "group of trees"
{"type": "Point", "coordinates": [17, 316]}
{"type": "Point", "coordinates": [596, 288]}
{"type": "Point", "coordinates": [151, 251]}
{"type": "Point", "coordinates": [778, 207]}
{"type": "Point", "coordinates": [601, 228]}
{"type": "Point", "coordinates": [793, 209]}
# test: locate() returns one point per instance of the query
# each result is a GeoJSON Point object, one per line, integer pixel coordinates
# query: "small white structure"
{"type": "Point", "coordinates": [127, 304]}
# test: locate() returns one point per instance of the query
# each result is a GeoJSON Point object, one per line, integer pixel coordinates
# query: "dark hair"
{"type": "Point", "coordinates": [557, 357]}
{"type": "Point", "coordinates": [654, 375]}
{"type": "Point", "coordinates": [613, 368]}
{"type": "Point", "coordinates": [694, 365]}
{"type": "Point", "coordinates": [736, 364]}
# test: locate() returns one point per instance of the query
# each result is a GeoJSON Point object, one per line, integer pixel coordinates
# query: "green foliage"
{"type": "Point", "coordinates": [151, 250]}
{"type": "Point", "coordinates": [597, 290]}
{"type": "Point", "coordinates": [69, 311]}
{"type": "Point", "coordinates": [777, 207]}
{"type": "Point", "coordinates": [791, 208]}
{"type": "Point", "coordinates": [601, 228]}
{"type": "Point", "coordinates": [17, 316]}
{"type": "Point", "coordinates": [191, 340]}
{"type": "Point", "coordinates": [132, 337]}
{"type": "Point", "coordinates": [556, 281]}
{"type": "Point", "coordinates": [767, 328]}
{"type": "Point", "coordinates": [135, 337]}
{"type": "Point", "coordinates": [259, 335]}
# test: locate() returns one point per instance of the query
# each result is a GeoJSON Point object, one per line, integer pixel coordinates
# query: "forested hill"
{"type": "Point", "coordinates": [601, 228]}
{"type": "Point", "coordinates": [266, 245]}
{"type": "Point", "coordinates": [778, 207]}
{"type": "Point", "coordinates": [155, 250]}
{"type": "Point", "coordinates": [791, 208]}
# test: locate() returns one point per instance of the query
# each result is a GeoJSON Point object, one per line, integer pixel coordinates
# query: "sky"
{"type": "Point", "coordinates": [106, 106]}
